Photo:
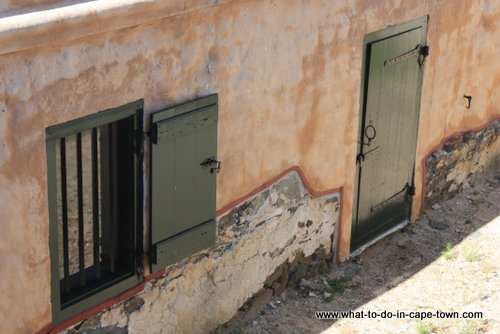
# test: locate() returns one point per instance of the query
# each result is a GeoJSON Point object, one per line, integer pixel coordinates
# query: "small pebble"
{"type": "Point", "coordinates": [438, 224]}
{"type": "Point", "coordinates": [475, 235]}
{"type": "Point", "coordinates": [325, 282]}
{"type": "Point", "coordinates": [436, 206]}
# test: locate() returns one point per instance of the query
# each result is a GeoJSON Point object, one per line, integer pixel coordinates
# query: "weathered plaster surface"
{"type": "Point", "coordinates": [288, 77]}
{"type": "Point", "coordinates": [464, 39]}
{"type": "Point", "coordinates": [206, 290]}
{"type": "Point", "coordinates": [69, 20]}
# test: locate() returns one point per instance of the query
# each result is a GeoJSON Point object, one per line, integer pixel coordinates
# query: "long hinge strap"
{"type": "Point", "coordinates": [420, 51]}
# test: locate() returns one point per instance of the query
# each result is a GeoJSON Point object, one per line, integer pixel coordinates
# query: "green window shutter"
{"type": "Point", "coordinates": [182, 182]}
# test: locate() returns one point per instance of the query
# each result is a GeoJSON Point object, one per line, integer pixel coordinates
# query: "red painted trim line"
{"type": "Point", "coordinates": [51, 328]}
{"type": "Point", "coordinates": [309, 188]}
{"type": "Point", "coordinates": [267, 184]}
{"type": "Point", "coordinates": [440, 146]}
{"type": "Point", "coordinates": [339, 230]}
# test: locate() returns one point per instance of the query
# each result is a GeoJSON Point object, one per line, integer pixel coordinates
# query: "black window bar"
{"type": "Point", "coordinates": [95, 205]}
{"type": "Point", "coordinates": [64, 206]}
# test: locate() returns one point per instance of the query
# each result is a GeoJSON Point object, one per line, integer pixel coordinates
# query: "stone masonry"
{"type": "Point", "coordinates": [276, 234]}
{"type": "Point", "coordinates": [461, 160]}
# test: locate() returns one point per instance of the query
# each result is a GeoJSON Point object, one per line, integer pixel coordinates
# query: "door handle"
{"type": "Point", "coordinates": [370, 133]}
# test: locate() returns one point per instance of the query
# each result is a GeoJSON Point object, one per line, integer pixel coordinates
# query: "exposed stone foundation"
{"type": "Point", "coordinates": [461, 160]}
{"type": "Point", "coordinates": [279, 231]}
{"type": "Point", "coordinates": [290, 274]}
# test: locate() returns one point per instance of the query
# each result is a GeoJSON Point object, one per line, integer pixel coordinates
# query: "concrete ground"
{"type": "Point", "coordinates": [445, 262]}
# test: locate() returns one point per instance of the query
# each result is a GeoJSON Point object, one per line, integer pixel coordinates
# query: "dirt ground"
{"type": "Point", "coordinates": [445, 262]}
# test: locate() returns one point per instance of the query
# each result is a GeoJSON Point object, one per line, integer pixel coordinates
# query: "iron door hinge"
{"type": "Point", "coordinates": [139, 142]}
{"type": "Point", "coordinates": [407, 190]}
{"type": "Point", "coordinates": [410, 190]}
{"type": "Point", "coordinates": [420, 52]}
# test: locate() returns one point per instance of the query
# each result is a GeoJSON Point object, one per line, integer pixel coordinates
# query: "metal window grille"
{"type": "Point", "coordinates": [95, 208]}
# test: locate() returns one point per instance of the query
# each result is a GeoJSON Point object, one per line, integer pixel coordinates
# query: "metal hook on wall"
{"type": "Point", "coordinates": [469, 99]}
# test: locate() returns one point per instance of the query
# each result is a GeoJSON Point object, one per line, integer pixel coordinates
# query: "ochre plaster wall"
{"type": "Point", "coordinates": [288, 78]}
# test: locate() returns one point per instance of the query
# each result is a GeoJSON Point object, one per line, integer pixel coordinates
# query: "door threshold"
{"type": "Point", "coordinates": [362, 248]}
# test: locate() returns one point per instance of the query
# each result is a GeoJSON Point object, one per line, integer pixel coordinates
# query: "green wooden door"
{"type": "Point", "coordinates": [183, 180]}
{"type": "Point", "coordinates": [388, 129]}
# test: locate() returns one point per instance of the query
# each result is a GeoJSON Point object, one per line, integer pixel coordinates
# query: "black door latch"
{"type": "Point", "coordinates": [211, 163]}
{"type": "Point", "coordinates": [361, 157]}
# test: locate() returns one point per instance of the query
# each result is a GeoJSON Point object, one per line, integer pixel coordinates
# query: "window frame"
{"type": "Point", "coordinates": [53, 134]}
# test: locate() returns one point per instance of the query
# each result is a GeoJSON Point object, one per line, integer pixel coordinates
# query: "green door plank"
{"type": "Point", "coordinates": [412, 98]}
{"type": "Point", "coordinates": [393, 141]}
{"type": "Point", "coordinates": [373, 100]}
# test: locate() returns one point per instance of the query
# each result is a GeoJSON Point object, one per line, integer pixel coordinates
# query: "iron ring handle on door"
{"type": "Point", "coordinates": [368, 135]}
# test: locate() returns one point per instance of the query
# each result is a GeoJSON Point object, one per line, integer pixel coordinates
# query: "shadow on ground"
{"type": "Point", "coordinates": [380, 268]}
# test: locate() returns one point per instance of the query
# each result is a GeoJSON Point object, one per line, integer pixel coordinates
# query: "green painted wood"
{"type": "Point", "coordinates": [95, 120]}
{"type": "Point", "coordinates": [111, 290]}
{"type": "Point", "coordinates": [174, 249]}
{"type": "Point", "coordinates": [390, 103]}
{"type": "Point", "coordinates": [53, 228]}
{"type": "Point", "coordinates": [185, 107]}
{"type": "Point", "coordinates": [182, 192]}
{"type": "Point", "coordinates": [393, 30]}
{"type": "Point", "coordinates": [188, 122]}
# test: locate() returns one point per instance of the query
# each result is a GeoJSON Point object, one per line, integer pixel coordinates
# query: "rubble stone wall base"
{"type": "Point", "coordinates": [461, 161]}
